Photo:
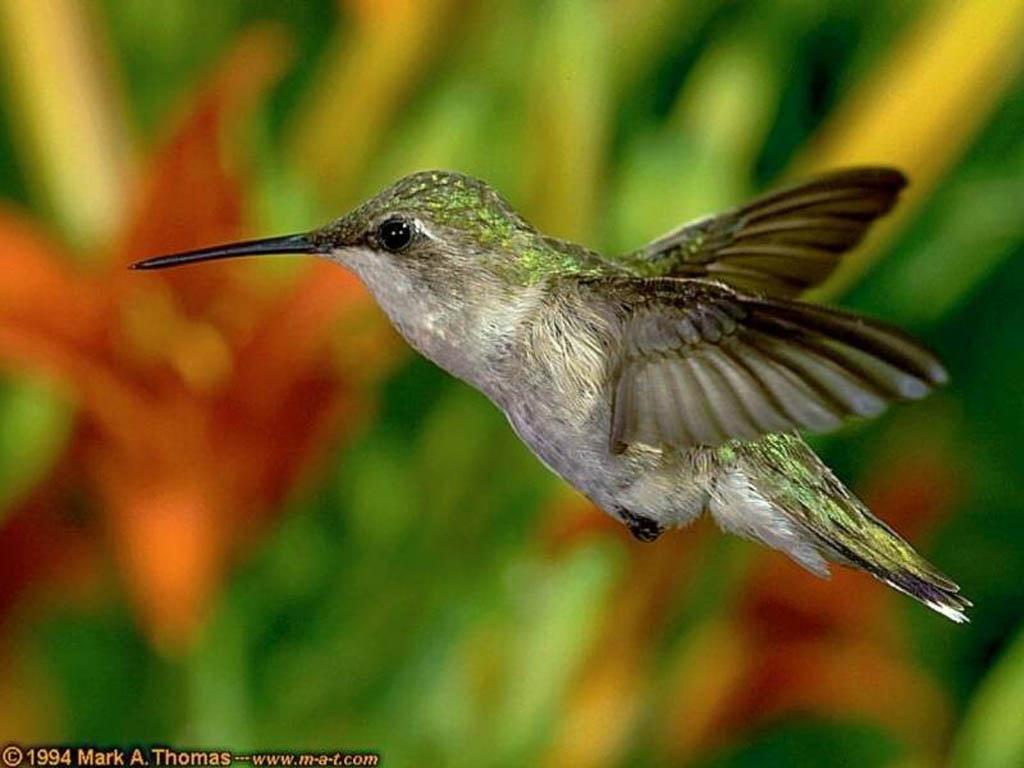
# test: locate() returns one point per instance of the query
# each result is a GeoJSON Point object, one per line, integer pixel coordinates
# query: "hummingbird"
{"type": "Point", "coordinates": [662, 383]}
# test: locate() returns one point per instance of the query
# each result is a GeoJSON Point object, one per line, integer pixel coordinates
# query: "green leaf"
{"type": "Point", "coordinates": [34, 425]}
{"type": "Point", "coordinates": [802, 743]}
{"type": "Point", "coordinates": [991, 736]}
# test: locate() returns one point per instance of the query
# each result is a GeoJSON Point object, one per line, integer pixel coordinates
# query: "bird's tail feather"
{"type": "Point", "coordinates": [778, 491]}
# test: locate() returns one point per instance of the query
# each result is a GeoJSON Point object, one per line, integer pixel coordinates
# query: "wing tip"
{"type": "Point", "coordinates": [937, 374]}
{"type": "Point", "coordinates": [875, 175]}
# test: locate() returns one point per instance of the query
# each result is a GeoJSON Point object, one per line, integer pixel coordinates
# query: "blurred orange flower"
{"type": "Point", "coordinates": [201, 397]}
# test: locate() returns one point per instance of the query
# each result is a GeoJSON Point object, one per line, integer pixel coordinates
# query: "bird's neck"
{"type": "Point", "coordinates": [464, 325]}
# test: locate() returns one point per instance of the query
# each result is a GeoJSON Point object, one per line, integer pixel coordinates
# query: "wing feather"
{"type": "Point", "coordinates": [780, 244]}
{"type": "Point", "coordinates": [702, 365]}
{"type": "Point", "coordinates": [760, 403]}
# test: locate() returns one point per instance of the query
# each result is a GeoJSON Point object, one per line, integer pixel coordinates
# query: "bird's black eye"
{"type": "Point", "coordinates": [395, 233]}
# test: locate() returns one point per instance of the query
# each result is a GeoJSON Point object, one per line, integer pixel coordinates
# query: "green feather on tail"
{"type": "Point", "coordinates": [783, 471]}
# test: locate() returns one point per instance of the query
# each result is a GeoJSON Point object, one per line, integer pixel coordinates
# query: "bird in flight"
{"type": "Point", "coordinates": [662, 383]}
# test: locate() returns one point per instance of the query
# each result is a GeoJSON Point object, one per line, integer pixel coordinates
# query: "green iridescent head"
{"type": "Point", "coordinates": [425, 206]}
{"type": "Point", "coordinates": [436, 224]}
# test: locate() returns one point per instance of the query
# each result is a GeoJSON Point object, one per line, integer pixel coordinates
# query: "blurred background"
{"type": "Point", "coordinates": [236, 511]}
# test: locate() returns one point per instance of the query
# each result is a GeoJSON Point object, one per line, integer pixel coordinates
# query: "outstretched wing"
{"type": "Point", "coordinates": [783, 243]}
{"type": "Point", "coordinates": [700, 364]}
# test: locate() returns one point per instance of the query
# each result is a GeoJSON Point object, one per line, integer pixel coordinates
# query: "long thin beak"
{"type": "Point", "coordinates": [266, 246]}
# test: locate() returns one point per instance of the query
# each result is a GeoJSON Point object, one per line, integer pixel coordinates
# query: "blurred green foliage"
{"type": "Point", "coordinates": [34, 424]}
{"type": "Point", "coordinates": [411, 596]}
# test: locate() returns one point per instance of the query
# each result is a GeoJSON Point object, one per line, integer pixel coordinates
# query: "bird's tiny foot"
{"type": "Point", "coordinates": [642, 528]}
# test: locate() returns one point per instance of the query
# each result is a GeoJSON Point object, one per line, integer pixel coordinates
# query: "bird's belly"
{"type": "Point", "coordinates": [563, 436]}
{"type": "Point", "coordinates": [572, 439]}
